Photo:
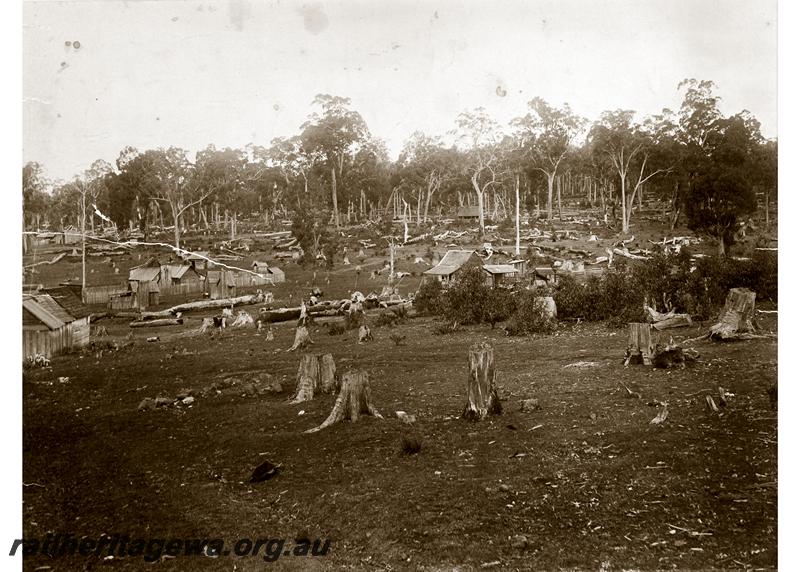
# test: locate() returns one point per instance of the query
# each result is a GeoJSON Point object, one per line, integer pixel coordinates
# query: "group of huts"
{"type": "Point", "coordinates": [456, 262]}
{"type": "Point", "coordinates": [148, 283]}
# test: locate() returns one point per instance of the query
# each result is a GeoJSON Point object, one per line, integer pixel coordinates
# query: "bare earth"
{"type": "Point", "coordinates": [586, 479]}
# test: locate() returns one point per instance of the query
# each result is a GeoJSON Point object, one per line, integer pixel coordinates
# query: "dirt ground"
{"type": "Point", "coordinates": [586, 479]}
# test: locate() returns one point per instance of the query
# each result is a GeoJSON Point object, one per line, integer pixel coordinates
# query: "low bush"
{"type": "Point", "coordinates": [429, 298]}
{"type": "Point", "coordinates": [530, 315]}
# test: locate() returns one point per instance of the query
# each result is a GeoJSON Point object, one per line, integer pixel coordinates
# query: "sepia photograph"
{"type": "Point", "coordinates": [402, 285]}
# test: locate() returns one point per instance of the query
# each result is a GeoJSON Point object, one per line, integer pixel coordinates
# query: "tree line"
{"type": "Point", "coordinates": [707, 167]}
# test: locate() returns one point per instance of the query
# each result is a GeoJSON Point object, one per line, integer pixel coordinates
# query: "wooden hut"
{"type": "Point", "coordinates": [145, 285]}
{"type": "Point", "coordinates": [181, 279]}
{"type": "Point", "coordinates": [49, 329]}
{"type": "Point", "coordinates": [274, 274]}
{"type": "Point", "coordinates": [221, 284]}
{"type": "Point", "coordinates": [453, 263]}
{"type": "Point", "coordinates": [499, 274]}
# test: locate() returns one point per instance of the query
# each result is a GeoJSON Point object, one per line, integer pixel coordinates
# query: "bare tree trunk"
{"type": "Point", "coordinates": [354, 400]}
{"type": "Point", "coordinates": [560, 213]}
{"type": "Point", "coordinates": [481, 391]}
{"type": "Point", "coordinates": [334, 197]}
{"type": "Point", "coordinates": [516, 216]}
{"type": "Point", "coordinates": [550, 177]}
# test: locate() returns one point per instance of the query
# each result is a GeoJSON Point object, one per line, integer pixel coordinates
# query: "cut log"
{"type": "Point", "coordinates": [354, 400]}
{"type": "Point", "coordinates": [155, 323]}
{"type": "Point", "coordinates": [736, 317]}
{"type": "Point", "coordinates": [482, 396]}
{"type": "Point", "coordinates": [640, 347]}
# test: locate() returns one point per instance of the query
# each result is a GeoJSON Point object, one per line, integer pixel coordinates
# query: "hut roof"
{"type": "Point", "coordinates": [146, 274]}
{"type": "Point", "coordinates": [451, 261]}
{"type": "Point", "coordinates": [499, 268]}
{"type": "Point", "coordinates": [65, 297]}
{"type": "Point", "coordinates": [46, 310]}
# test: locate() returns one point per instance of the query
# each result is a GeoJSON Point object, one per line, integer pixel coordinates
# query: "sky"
{"type": "Point", "coordinates": [189, 73]}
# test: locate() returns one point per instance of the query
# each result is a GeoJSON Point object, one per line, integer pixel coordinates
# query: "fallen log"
{"type": "Point", "coordinates": [156, 323]}
{"type": "Point", "coordinates": [627, 254]}
{"type": "Point", "coordinates": [668, 320]}
{"type": "Point", "coordinates": [258, 298]}
{"type": "Point", "coordinates": [55, 259]}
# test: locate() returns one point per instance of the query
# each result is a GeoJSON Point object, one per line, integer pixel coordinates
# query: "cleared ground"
{"type": "Point", "coordinates": [586, 479]}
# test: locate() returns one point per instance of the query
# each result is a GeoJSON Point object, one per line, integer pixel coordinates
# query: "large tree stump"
{"type": "Point", "coordinates": [640, 346]}
{"type": "Point", "coordinates": [327, 373]}
{"type": "Point", "coordinates": [354, 400]}
{"type": "Point", "coordinates": [737, 315]}
{"type": "Point", "coordinates": [481, 391]}
{"type": "Point", "coordinates": [315, 372]}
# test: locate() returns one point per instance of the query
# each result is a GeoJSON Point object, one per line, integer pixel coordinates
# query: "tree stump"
{"type": "Point", "coordinates": [481, 391]}
{"type": "Point", "coordinates": [327, 373]}
{"type": "Point", "coordinates": [354, 400]}
{"type": "Point", "coordinates": [737, 315]}
{"type": "Point", "coordinates": [364, 335]}
{"type": "Point", "coordinates": [301, 339]}
{"type": "Point", "coordinates": [640, 347]}
{"type": "Point", "coordinates": [315, 372]}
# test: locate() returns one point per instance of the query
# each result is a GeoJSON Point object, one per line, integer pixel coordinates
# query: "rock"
{"type": "Point", "coordinates": [505, 488]}
{"type": "Point", "coordinates": [163, 401]}
{"type": "Point", "coordinates": [275, 387]}
{"type": "Point", "coordinates": [530, 405]}
{"type": "Point", "coordinates": [248, 389]}
{"type": "Point", "coordinates": [187, 400]}
{"type": "Point", "coordinates": [147, 404]}
{"type": "Point", "coordinates": [405, 417]}
{"type": "Point", "coordinates": [519, 541]}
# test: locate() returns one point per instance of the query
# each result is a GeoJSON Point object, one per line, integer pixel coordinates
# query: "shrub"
{"type": "Point", "coordinates": [429, 298]}
{"type": "Point", "coordinates": [530, 315]}
{"type": "Point", "coordinates": [498, 306]}
{"type": "Point", "coordinates": [465, 301]}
